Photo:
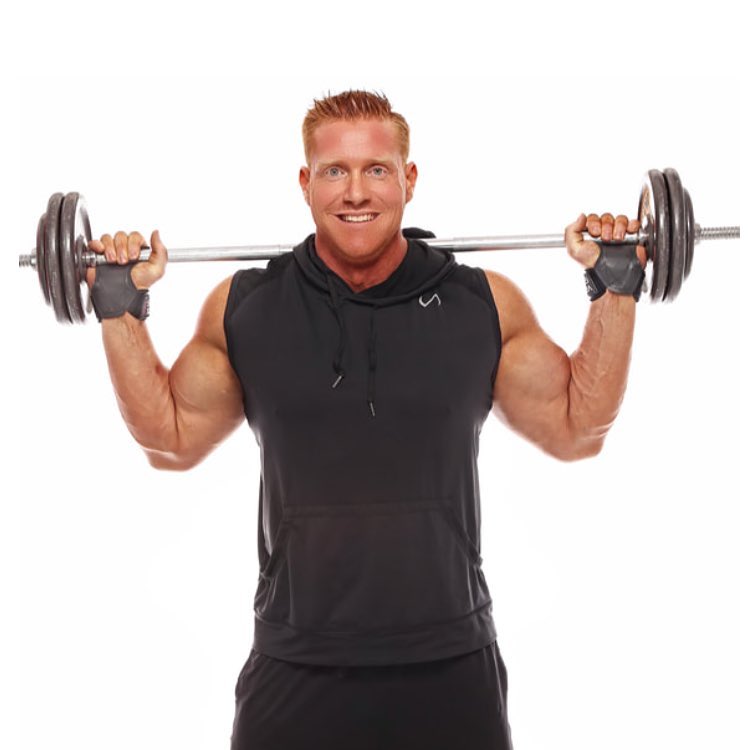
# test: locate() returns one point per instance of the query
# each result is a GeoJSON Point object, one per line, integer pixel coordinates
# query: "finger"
{"type": "Point", "coordinates": [159, 254]}
{"type": "Point", "coordinates": [109, 248]}
{"type": "Point", "coordinates": [135, 243]}
{"type": "Point", "coordinates": [579, 224]}
{"type": "Point", "coordinates": [121, 247]}
{"type": "Point", "coordinates": [584, 252]}
{"type": "Point", "coordinates": [620, 228]}
{"type": "Point", "coordinates": [574, 231]}
{"type": "Point", "coordinates": [157, 245]}
{"type": "Point", "coordinates": [633, 226]}
{"type": "Point", "coordinates": [145, 274]}
{"type": "Point", "coordinates": [593, 225]}
{"type": "Point", "coordinates": [607, 225]}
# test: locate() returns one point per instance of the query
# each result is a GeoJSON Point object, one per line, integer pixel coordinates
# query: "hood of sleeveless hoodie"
{"type": "Point", "coordinates": [421, 270]}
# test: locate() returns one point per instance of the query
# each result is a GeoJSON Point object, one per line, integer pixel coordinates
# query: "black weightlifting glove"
{"type": "Point", "coordinates": [113, 293]}
{"type": "Point", "coordinates": [617, 269]}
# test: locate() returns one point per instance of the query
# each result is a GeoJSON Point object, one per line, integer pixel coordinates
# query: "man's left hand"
{"type": "Point", "coordinates": [605, 226]}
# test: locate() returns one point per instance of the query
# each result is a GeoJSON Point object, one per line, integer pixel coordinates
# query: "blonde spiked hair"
{"type": "Point", "coordinates": [353, 105]}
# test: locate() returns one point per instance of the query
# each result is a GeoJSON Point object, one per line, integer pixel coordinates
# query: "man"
{"type": "Point", "coordinates": [366, 362]}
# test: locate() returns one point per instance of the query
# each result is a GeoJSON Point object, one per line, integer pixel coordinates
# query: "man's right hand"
{"type": "Point", "coordinates": [125, 248]}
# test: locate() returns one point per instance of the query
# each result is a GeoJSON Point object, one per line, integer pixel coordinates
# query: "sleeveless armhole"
{"type": "Point", "coordinates": [231, 306]}
{"type": "Point", "coordinates": [486, 293]}
{"type": "Point", "coordinates": [243, 283]}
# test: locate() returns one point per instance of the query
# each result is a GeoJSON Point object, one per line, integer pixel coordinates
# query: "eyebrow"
{"type": "Point", "coordinates": [374, 160]}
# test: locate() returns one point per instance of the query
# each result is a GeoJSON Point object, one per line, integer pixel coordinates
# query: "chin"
{"type": "Point", "coordinates": [359, 252]}
{"type": "Point", "coordinates": [359, 246]}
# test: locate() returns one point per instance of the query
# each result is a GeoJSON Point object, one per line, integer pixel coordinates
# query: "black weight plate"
{"type": "Point", "coordinates": [83, 237]}
{"type": "Point", "coordinates": [676, 232]}
{"type": "Point", "coordinates": [74, 231]}
{"type": "Point", "coordinates": [646, 219]}
{"type": "Point", "coordinates": [68, 264]}
{"type": "Point", "coordinates": [52, 258]}
{"type": "Point", "coordinates": [41, 265]}
{"type": "Point", "coordinates": [690, 224]}
{"type": "Point", "coordinates": [653, 209]}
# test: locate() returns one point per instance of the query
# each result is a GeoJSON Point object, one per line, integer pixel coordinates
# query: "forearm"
{"type": "Point", "coordinates": [141, 384]}
{"type": "Point", "coordinates": [599, 372]}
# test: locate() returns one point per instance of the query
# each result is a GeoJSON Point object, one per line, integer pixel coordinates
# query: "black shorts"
{"type": "Point", "coordinates": [457, 703]}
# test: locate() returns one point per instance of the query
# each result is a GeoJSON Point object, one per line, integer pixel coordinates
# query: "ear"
{"type": "Point", "coordinates": [304, 183]}
{"type": "Point", "coordinates": [411, 179]}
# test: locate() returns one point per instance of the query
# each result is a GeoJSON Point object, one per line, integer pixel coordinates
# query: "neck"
{"type": "Point", "coordinates": [364, 274]}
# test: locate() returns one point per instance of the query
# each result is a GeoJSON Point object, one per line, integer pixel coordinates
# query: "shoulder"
{"type": "Point", "coordinates": [226, 298]}
{"type": "Point", "coordinates": [473, 280]}
{"type": "Point", "coordinates": [513, 308]}
{"type": "Point", "coordinates": [245, 282]}
{"type": "Point", "coordinates": [210, 326]}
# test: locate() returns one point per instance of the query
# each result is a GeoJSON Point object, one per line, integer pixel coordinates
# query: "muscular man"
{"type": "Point", "coordinates": [366, 362]}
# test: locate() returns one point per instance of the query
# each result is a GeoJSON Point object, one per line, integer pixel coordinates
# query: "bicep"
{"type": "Point", "coordinates": [530, 393]}
{"type": "Point", "coordinates": [207, 394]}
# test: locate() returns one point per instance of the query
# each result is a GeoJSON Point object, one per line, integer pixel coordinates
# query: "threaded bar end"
{"type": "Point", "coordinates": [718, 233]}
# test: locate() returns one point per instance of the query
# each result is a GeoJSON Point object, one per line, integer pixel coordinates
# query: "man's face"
{"type": "Point", "coordinates": [357, 186]}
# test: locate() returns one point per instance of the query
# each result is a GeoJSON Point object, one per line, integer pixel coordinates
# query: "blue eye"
{"type": "Point", "coordinates": [333, 172]}
{"type": "Point", "coordinates": [378, 171]}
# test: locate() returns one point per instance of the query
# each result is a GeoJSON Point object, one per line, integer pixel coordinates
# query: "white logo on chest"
{"type": "Point", "coordinates": [425, 304]}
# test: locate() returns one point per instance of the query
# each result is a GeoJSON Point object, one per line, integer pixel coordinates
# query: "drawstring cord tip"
{"type": "Point", "coordinates": [372, 407]}
{"type": "Point", "coordinates": [338, 380]}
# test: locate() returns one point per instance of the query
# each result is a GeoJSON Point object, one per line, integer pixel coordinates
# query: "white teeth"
{"type": "Point", "coordinates": [357, 219]}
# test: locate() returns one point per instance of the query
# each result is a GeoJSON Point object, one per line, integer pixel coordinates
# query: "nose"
{"type": "Point", "coordinates": [356, 189]}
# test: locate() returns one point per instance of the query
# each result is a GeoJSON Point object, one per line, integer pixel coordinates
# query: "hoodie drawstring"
{"type": "Point", "coordinates": [373, 363]}
{"type": "Point", "coordinates": [342, 332]}
{"type": "Point", "coordinates": [427, 267]}
{"type": "Point", "coordinates": [372, 351]}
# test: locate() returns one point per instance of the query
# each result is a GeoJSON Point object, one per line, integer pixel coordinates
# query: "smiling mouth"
{"type": "Point", "coordinates": [356, 218]}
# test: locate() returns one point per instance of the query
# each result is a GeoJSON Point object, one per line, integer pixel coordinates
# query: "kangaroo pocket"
{"type": "Point", "coordinates": [367, 568]}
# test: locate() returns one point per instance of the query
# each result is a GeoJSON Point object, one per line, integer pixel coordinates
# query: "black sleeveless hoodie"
{"type": "Point", "coordinates": [367, 408]}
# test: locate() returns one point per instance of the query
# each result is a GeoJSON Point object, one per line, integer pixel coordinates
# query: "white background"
{"type": "Point", "coordinates": [616, 581]}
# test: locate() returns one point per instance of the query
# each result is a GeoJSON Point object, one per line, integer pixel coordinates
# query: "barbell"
{"type": "Point", "coordinates": [665, 212]}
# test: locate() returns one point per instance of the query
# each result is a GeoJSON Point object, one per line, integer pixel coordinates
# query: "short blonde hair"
{"type": "Point", "coordinates": [353, 105]}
